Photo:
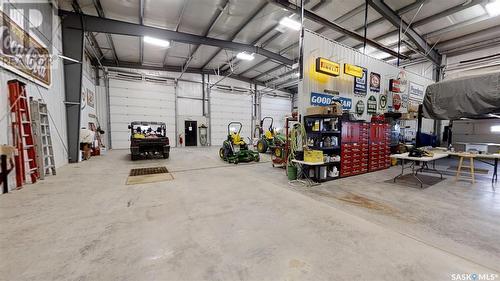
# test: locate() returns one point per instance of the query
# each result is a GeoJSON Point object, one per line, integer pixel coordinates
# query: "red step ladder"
{"type": "Point", "coordinates": [22, 133]}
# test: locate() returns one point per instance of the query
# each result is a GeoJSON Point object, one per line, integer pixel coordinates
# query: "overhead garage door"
{"type": "Point", "coordinates": [139, 101]}
{"type": "Point", "coordinates": [277, 108]}
{"type": "Point", "coordinates": [226, 107]}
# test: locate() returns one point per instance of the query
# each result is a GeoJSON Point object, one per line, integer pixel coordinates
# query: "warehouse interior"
{"type": "Point", "coordinates": [250, 140]}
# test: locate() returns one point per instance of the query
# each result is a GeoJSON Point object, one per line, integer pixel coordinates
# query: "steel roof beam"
{"type": "Point", "coordinates": [205, 33]}
{"type": "Point", "coordinates": [78, 9]}
{"type": "Point", "coordinates": [445, 13]}
{"type": "Point", "coordinates": [340, 19]}
{"type": "Point", "coordinates": [100, 12]}
{"type": "Point", "coordinates": [389, 14]}
{"type": "Point", "coordinates": [177, 26]}
{"type": "Point", "coordinates": [238, 30]}
{"type": "Point", "coordinates": [134, 65]}
{"type": "Point", "coordinates": [96, 24]}
{"type": "Point", "coordinates": [318, 19]}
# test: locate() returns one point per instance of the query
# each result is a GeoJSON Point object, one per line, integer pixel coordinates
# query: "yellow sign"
{"type": "Point", "coordinates": [327, 67]}
{"type": "Point", "coordinates": [353, 70]}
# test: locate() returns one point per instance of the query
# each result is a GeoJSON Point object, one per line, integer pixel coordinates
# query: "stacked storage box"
{"type": "Point", "coordinates": [380, 139]}
{"type": "Point", "coordinates": [354, 148]}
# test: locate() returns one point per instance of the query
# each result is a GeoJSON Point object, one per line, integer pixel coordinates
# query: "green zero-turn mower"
{"type": "Point", "coordinates": [270, 139]}
{"type": "Point", "coordinates": [235, 149]}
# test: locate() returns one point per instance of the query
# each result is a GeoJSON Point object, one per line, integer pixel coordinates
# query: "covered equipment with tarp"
{"type": "Point", "coordinates": [465, 97]}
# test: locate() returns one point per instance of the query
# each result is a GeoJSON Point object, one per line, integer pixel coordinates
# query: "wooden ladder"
{"type": "Point", "coordinates": [41, 130]}
{"type": "Point", "coordinates": [22, 134]}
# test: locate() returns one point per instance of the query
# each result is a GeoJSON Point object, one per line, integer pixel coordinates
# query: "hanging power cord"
{"type": "Point", "coordinates": [298, 139]}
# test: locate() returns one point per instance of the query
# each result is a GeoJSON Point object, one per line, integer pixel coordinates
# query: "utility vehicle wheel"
{"type": "Point", "coordinates": [261, 146]}
{"type": "Point", "coordinates": [134, 157]}
{"type": "Point", "coordinates": [166, 155]}
{"type": "Point", "coordinates": [221, 153]}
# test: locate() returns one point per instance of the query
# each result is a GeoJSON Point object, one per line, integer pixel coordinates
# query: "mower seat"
{"type": "Point", "coordinates": [236, 139]}
{"type": "Point", "coordinates": [268, 135]}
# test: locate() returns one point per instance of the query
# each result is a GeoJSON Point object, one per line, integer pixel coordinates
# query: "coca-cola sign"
{"type": "Point", "coordinates": [23, 54]}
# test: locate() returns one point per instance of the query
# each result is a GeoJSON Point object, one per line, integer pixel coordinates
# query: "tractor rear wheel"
{"type": "Point", "coordinates": [221, 153]}
{"type": "Point", "coordinates": [261, 146]}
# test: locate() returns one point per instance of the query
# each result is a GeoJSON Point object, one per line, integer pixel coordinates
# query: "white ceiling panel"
{"type": "Point", "coordinates": [267, 18]}
{"type": "Point", "coordinates": [430, 8]}
{"type": "Point", "coordinates": [198, 14]}
{"type": "Point", "coordinates": [125, 10]}
{"type": "Point", "coordinates": [127, 47]}
{"type": "Point", "coordinates": [468, 14]}
{"type": "Point", "coordinates": [163, 14]}
{"type": "Point", "coordinates": [202, 55]}
{"type": "Point", "coordinates": [236, 13]}
{"type": "Point", "coordinates": [177, 52]}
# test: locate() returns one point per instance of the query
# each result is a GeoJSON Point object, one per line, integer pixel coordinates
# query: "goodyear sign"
{"type": "Point", "coordinates": [325, 100]}
{"type": "Point", "coordinates": [327, 67]}
{"type": "Point", "coordinates": [353, 70]}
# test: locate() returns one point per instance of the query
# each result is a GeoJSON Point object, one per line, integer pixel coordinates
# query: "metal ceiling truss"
{"type": "Point", "coordinates": [340, 19]}
{"type": "Point", "coordinates": [325, 22]}
{"type": "Point", "coordinates": [177, 26]}
{"type": "Point", "coordinates": [272, 37]}
{"type": "Point", "coordinates": [93, 40]}
{"type": "Point", "coordinates": [100, 12]}
{"type": "Point", "coordinates": [134, 65]}
{"type": "Point", "coordinates": [238, 30]}
{"type": "Point", "coordinates": [211, 24]}
{"type": "Point", "coordinates": [383, 9]}
{"type": "Point", "coordinates": [103, 25]}
{"type": "Point", "coordinates": [421, 22]}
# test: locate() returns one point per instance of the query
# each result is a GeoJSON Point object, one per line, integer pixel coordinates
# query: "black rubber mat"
{"type": "Point", "coordinates": [148, 171]}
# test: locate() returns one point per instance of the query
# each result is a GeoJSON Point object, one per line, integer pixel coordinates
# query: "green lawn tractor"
{"type": "Point", "coordinates": [235, 149]}
{"type": "Point", "coordinates": [270, 140]}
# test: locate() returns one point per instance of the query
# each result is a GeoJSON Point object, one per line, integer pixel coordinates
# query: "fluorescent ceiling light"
{"type": "Point", "coordinates": [495, 129]}
{"type": "Point", "coordinates": [156, 41]}
{"type": "Point", "coordinates": [493, 8]}
{"type": "Point", "coordinates": [245, 56]}
{"type": "Point", "coordinates": [290, 23]}
{"type": "Point", "coordinates": [68, 58]}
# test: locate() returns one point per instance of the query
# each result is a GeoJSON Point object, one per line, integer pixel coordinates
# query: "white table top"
{"type": "Point", "coordinates": [308, 163]}
{"type": "Point", "coordinates": [405, 156]}
{"type": "Point", "coordinates": [483, 156]}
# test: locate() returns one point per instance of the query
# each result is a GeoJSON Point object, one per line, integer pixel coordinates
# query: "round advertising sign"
{"type": "Point", "coordinates": [383, 101]}
{"type": "Point", "coordinates": [396, 101]}
{"type": "Point", "coordinates": [360, 107]}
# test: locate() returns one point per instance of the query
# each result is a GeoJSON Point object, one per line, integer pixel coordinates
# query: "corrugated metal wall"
{"type": "Point", "coordinates": [53, 96]}
{"type": "Point", "coordinates": [318, 46]}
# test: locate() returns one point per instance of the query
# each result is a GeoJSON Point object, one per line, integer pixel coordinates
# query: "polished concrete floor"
{"type": "Point", "coordinates": [218, 221]}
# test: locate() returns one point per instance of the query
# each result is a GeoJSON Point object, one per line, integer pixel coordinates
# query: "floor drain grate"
{"type": "Point", "coordinates": [148, 171]}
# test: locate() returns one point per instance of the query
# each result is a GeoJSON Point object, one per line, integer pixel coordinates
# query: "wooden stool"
{"type": "Point", "coordinates": [471, 165]}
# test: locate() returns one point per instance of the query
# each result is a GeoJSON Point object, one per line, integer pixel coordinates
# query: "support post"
{"type": "Point", "coordinates": [203, 95]}
{"type": "Point", "coordinates": [73, 41]}
{"type": "Point", "coordinates": [419, 125]}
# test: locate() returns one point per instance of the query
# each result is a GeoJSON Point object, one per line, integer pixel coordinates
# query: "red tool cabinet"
{"type": "Point", "coordinates": [380, 138]}
{"type": "Point", "coordinates": [354, 148]}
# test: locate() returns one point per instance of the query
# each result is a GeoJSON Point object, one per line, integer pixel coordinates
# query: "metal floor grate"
{"type": "Point", "coordinates": [148, 171]}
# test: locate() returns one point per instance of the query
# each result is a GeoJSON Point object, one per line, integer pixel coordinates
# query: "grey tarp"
{"type": "Point", "coordinates": [470, 96]}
